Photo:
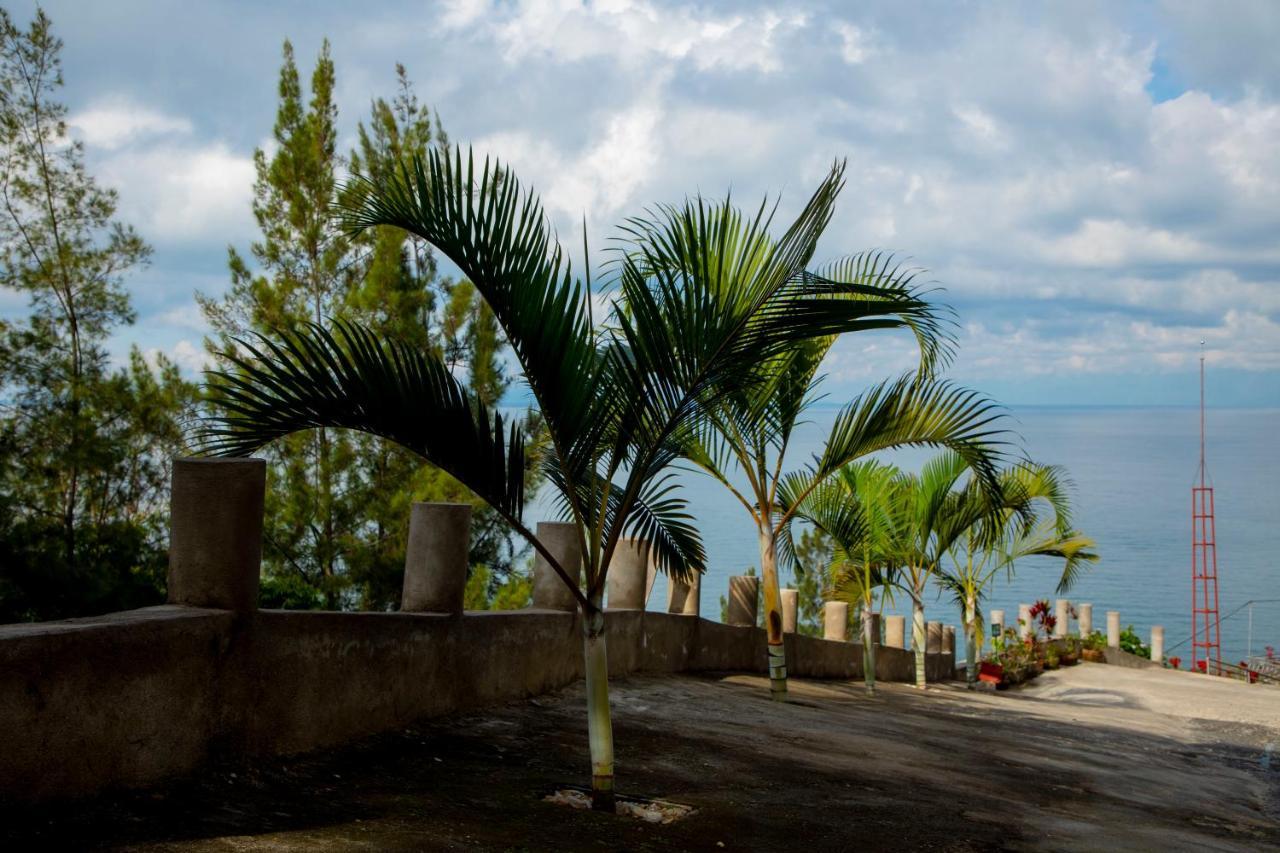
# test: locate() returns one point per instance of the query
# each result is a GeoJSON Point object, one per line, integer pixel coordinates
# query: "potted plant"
{"type": "Point", "coordinates": [1071, 650]}
{"type": "Point", "coordinates": [991, 670]}
{"type": "Point", "coordinates": [1094, 647]}
{"type": "Point", "coordinates": [1174, 662]}
{"type": "Point", "coordinates": [1052, 660]}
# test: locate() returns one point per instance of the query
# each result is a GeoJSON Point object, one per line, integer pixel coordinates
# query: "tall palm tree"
{"type": "Point", "coordinates": [1032, 519]}
{"type": "Point", "coordinates": [698, 313]}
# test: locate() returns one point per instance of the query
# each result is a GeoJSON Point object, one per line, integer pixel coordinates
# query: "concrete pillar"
{"type": "Point", "coordinates": [1084, 619]}
{"type": "Point", "coordinates": [1024, 620]}
{"type": "Point", "coordinates": [1062, 612]}
{"type": "Point", "coordinates": [949, 639]}
{"type": "Point", "coordinates": [875, 629]}
{"type": "Point", "coordinates": [1157, 643]}
{"type": "Point", "coordinates": [683, 597]}
{"type": "Point", "coordinates": [790, 610]}
{"type": "Point", "coordinates": [215, 532]}
{"type": "Point", "coordinates": [549, 591]}
{"type": "Point", "coordinates": [628, 580]}
{"type": "Point", "coordinates": [997, 624]}
{"type": "Point", "coordinates": [933, 637]}
{"type": "Point", "coordinates": [436, 557]}
{"type": "Point", "coordinates": [744, 600]}
{"type": "Point", "coordinates": [895, 631]}
{"type": "Point", "coordinates": [1113, 628]}
{"type": "Point", "coordinates": [835, 621]}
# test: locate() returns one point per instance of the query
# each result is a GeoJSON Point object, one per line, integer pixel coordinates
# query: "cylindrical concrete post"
{"type": "Point", "coordinates": [1113, 628]}
{"type": "Point", "coordinates": [1084, 619]}
{"type": "Point", "coordinates": [790, 610]}
{"type": "Point", "coordinates": [835, 621]}
{"type": "Point", "coordinates": [875, 629]}
{"type": "Point", "coordinates": [744, 600]}
{"type": "Point", "coordinates": [436, 557]}
{"type": "Point", "coordinates": [895, 631]}
{"type": "Point", "coordinates": [683, 597]}
{"type": "Point", "coordinates": [933, 637]}
{"type": "Point", "coordinates": [628, 580]}
{"type": "Point", "coordinates": [549, 591]}
{"type": "Point", "coordinates": [1157, 643]}
{"type": "Point", "coordinates": [1024, 621]}
{"type": "Point", "coordinates": [949, 639]}
{"type": "Point", "coordinates": [997, 624]}
{"type": "Point", "coordinates": [215, 532]}
{"type": "Point", "coordinates": [1062, 613]}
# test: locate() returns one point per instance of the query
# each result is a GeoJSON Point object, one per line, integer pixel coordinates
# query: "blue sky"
{"type": "Point", "coordinates": [1096, 186]}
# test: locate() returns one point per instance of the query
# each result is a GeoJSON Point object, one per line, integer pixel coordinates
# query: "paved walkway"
{"type": "Point", "coordinates": [1089, 758]}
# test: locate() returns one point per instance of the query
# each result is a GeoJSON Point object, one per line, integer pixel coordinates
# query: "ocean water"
{"type": "Point", "coordinates": [1133, 469]}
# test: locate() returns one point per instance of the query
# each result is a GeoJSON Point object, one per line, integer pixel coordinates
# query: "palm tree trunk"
{"type": "Point", "coordinates": [971, 641]}
{"type": "Point", "coordinates": [599, 724]}
{"type": "Point", "coordinates": [868, 649]}
{"type": "Point", "coordinates": [918, 637]}
{"type": "Point", "coordinates": [773, 613]}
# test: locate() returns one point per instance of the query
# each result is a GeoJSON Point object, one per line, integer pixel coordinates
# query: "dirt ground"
{"type": "Point", "coordinates": [1088, 758]}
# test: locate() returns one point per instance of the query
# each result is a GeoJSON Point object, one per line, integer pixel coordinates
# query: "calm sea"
{"type": "Point", "coordinates": [1133, 469]}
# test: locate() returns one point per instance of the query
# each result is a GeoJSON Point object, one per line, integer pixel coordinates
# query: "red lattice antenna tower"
{"type": "Point", "coordinates": [1205, 641]}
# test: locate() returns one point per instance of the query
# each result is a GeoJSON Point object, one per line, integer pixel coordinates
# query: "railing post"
{"type": "Point", "coordinates": [1157, 643]}
{"type": "Point", "coordinates": [628, 580]}
{"type": "Point", "coordinates": [875, 629]}
{"type": "Point", "coordinates": [215, 532]}
{"type": "Point", "coordinates": [835, 621]}
{"type": "Point", "coordinates": [549, 591]}
{"type": "Point", "coordinates": [683, 598]}
{"type": "Point", "coordinates": [436, 558]}
{"type": "Point", "coordinates": [933, 638]}
{"type": "Point", "coordinates": [1024, 621]}
{"type": "Point", "coordinates": [895, 631]}
{"type": "Point", "coordinates": [1113, 628]}
{"type": "Point", "coordinates": [1062, 613]}
{"type": "Point", "coordinates": [790, 610]}
{"type": "Point", "coordinates": [1084, 619]}
{"type": "Point", "coordinates": [744, 600]}
{"type": "Point", "coordinates": [997, 625]}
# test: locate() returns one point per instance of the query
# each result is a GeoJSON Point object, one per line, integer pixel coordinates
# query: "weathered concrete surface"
{"type": "Point", "coordinates": [549, 590]}
{"type": "Point", "coordinates": [130, 698]}
{"type": "Point", "coordinates": [1087, 758]}
{"type": "Point", "coordinates": [215, 532]}
{"type": "Point", "coordinates": [436, 557]}
{"type": "Point", "coordinates": [628, 580]}
{"type": "Point", "coordinates": [744, 600]}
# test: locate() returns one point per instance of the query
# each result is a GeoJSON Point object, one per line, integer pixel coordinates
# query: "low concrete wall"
{"type": "Point", "coordinates": [130, 698]}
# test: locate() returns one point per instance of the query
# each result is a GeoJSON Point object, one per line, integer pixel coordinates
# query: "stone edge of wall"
{"type": "Point", "coordinates": [128, 699]}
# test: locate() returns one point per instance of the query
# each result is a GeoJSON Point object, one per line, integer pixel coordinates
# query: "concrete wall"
{"type": "Point", "coordinates": [130, 698]}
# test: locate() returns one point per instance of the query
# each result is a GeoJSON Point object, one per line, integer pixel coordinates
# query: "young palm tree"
{"type": "Point", "coordinates": [698, 314]}
{"type": "Point", "coordinates": [750, 431]}
{"type": "Point", "coordinates": [854, 509]}
{"type": "Point", "coordinates": [1001, 535]}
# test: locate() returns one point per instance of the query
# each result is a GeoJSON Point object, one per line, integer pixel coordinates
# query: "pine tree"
{"type": "Point", "coordinates": [83, 449]}
{"type": "Point", "coordinates": [338, 505]}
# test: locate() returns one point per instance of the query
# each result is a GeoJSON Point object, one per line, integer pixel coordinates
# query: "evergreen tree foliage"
{"type": "Point", "coordinates": [338, 503]}
{"type": "Point", "coordinates": [84, 448]}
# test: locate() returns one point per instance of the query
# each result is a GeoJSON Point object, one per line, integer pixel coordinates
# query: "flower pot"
{"type": "Point", "coordinates": [1070, 660]}
{"type": "Point", "coordinates": [992, 673]}
{"type": "Point", "coordinates": [1094, 655]}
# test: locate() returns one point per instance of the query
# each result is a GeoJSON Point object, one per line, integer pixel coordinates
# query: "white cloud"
{"type": "Point", "coordinates": [183, 192]}
{"type": "Point", "coordinates": [117, 121]}
{"type": "Point", "coordinates": [632, 32]}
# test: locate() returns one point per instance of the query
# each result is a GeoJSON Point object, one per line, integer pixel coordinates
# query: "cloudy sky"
{"type": "Point", "coordinates": [1096, 186]}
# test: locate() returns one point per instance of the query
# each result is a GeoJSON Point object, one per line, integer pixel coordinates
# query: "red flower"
{"type": "Point", "coordinates": [1175, 662]}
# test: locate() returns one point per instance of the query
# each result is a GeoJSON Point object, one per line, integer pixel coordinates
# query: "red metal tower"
{"type": "Point", "coordinates": [1205, 641]}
